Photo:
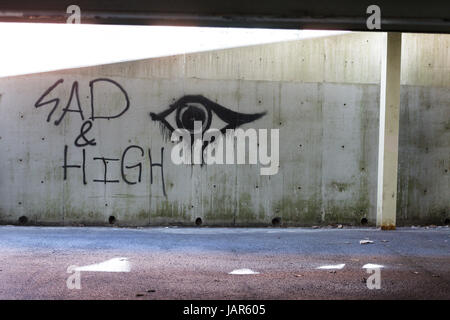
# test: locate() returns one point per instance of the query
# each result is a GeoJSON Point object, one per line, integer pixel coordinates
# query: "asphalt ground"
{"type": "Point", "coordinates": [195, 263]}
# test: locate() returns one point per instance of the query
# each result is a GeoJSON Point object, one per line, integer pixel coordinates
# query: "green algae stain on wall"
{"type": "Point", "coordinates": [245, 212]}
{"type": "Point", "coordinates": [220, 209]}
{"type": "Point", "coordinates": [297, 211]}
{"type": "Point", "coordinates": [171, 210]}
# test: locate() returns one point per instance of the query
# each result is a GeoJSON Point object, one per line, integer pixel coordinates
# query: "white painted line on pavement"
{"type": "Point", "coordinates": [332, 267]}
{"type": "Point", "coordinates": [111, 265]}
{"type": "Point", "coordinates": [372, 266]}
{"type": "Point", "coordinates": [243, 271]}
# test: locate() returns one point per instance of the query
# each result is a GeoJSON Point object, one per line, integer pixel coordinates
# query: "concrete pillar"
{"type": "Point", "coordinates": [389, 130]}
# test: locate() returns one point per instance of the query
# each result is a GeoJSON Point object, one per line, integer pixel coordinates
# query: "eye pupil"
{"type": "Point", "coordinates": [192, 114]}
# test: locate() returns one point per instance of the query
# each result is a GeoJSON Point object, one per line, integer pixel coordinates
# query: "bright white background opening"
{"type": "Point", "coordinates": [30, 48]}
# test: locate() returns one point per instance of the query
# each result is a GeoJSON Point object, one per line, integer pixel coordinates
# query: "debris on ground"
{"type": "Point", "coordinates": [151, 290]}
{"type": "Point", "coordinates": [340, 226]}
{"type": "Point", "coordinates": [365, 242]}
{"type": "Point", "coordinates": [315, 227]}
{"type": "Point", "coordinates": [415, 272]}
{"type": "Point", "coordinates": [384, 240]}
{"type": "Point", "coordinates": [299, 275]}
{"type": "Point", "coordinates": [139, 295]}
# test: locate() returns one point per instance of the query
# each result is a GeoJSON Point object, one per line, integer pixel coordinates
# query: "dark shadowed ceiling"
{"type": "Point", "coordinates": [396, 15]}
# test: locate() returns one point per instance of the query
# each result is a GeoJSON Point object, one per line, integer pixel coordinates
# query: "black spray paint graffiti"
{"type": "Point", "coordinates": [82, 140]}
{"type": "Point", "coordinates": [82, 135]}
{"type": "Point", "coordinates": [188, 109]}
{"type": "Point", "coordinates": [106, 176]}
{"type": "Point", "coordinates": [191, 108]}
{"type": "Point", "coordinates": [74, 93]}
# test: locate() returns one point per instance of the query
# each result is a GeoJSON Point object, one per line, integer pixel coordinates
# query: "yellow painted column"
{"type": "Point", "coordinates": [389, 130]}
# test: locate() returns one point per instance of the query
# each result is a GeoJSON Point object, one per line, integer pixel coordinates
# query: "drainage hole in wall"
{"type": "Point", "coordinates": [23, 220]}
{"type": "Point", "coordinates": [198, 221]}
{"type": "Point", "coordinates": [112, 219]}
{"type": "Point", "coordinates": [364, 221]}
{"type": "Point", "coordinates": [276, 221]}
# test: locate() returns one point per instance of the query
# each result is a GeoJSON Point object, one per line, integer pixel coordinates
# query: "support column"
{"type": "Point", "coordinates": [389, 130]}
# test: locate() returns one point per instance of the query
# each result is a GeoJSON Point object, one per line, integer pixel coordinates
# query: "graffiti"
{"type": "Point", "coordinates": [74, 94]}
{"type": "Point", "coordinates": [73, 91]}
{"type": "Point", "coordinates": [191, 108]}
{"type": "Point", "coordinates": [82, 135]}
{"type": "Point", "coordinates": [105, 166]}
{"type": "Point", "coordinates": [138, 165]}
{"type": "Point", "coordinates": [66, 166]}
{"type": "Point", "coordinates": [83, 139]}
{"type": "Point", "coordinates": [108, 164]}
{"type": "Point", "coordinates": [39, 103]}
{"type": "Point", "coordinates": [157, 165]}
{"type": "Point", "coordinates": [125, 94]}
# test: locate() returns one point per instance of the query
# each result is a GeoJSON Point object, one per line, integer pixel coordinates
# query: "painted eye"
{"type": "Point", "coordinates": [191, 108]}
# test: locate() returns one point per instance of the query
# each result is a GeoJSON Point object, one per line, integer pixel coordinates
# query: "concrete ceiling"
{"type": "Point", "coordinates": [400, 15]}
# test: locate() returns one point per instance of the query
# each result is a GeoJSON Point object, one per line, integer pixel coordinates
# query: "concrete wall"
{"type": "Point", "coordinates": [322, 94]}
